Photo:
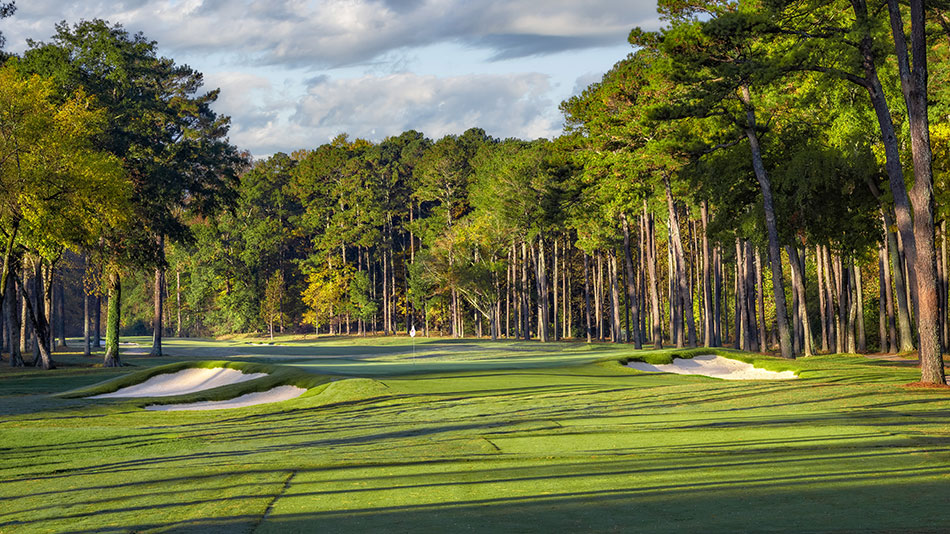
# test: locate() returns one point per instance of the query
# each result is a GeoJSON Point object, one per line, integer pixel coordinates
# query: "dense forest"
{"type": "Point", "coordinates": [764, 175]}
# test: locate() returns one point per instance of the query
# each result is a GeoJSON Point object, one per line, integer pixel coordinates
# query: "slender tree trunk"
{"type": "Point", "coordinates": [944, 325]}
{"type": "Point", "coordinates": [654, 283]}
{"type": "Point", "coordinates": [717, 296]}
{"type": "Point", "coordinates": [841, 278]}
{"type": "Point", "coordinates": [568, 307]}
{"type": "Point", "coordinates": [555, 285]}
{"type": "Point", "coordinates": [159, 303]}
{"type": "Point", "coordinates": [525, 294]}
{"type": "Point", "coordinates": [112, 322]}
{"type": "Point", "coordinates": [945, 288]}
{"type": "Point", "coordinates": [61, 312]}
{"type": "Point", "coordinates": [97, 321]}
{"type": "Point", "coordinates": [743, 330]}
{"type": "Point", "coordinates": [862, 344]}
{"type": "Point", "coordinates": [760, 297]}
{"type": "Point", "coordinates": [900, 289]}
{"type": "Point", "coordinates": [750, 297]}
{"type": "Point", "coordinates": [775, 253]}
{"type": "Point", "coordinates": [392, 289]}
{"type": "Point", "coordinates": [853, 317]}
{"type": "Point", "coordinates": [386, 298]}
{"type": "Point", "coordinates": [708, 316]}
{"type": "Point", "coordinates": [672, 289]}
{"type": "Point", "coordinates": [178, 302]}
{"type": "Point", "coordinates": [831, 286]}
{"type": "Point", "coordinates": [821, 299]}
{"type": "Point", "coordinates": [881, 303]}
{"type": "Point", "coordinates": [86, 319]}
{"type": "Point", "coordinates": [508, 294]}
{"type": "Point", "coordinates": [12, 324]}
{"type": "Point", "coordinates": [587, 294]}
{"type": "Point", "coordinates": [798, 285]}
{"type": "Point", "coordinates": [891, 342]}
{"type": "Point", "coordinates": [25, 329]}
{"type": "Point", "coordinates": [796, 319]}
{"type": "Point", "coordinates": [598, 292]}
{"type": "Point", "coordinates": [41, 328]}
{"type": "Point", "coordinates": [685, 295]}
{"type": "Point", "coordinates": [614, 298]}
{"type": "Point", "coordinates": [633, 325]}
{"type": "Point", "coordinates": [542, 288]}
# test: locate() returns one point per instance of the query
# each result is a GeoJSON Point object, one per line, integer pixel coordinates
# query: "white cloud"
{"type": "Point", "coordinates": [378, 106]}
{"type": "Point", "coordinates": [334, 33]}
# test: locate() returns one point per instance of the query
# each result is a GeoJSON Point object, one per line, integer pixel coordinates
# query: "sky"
{"type": "Point", "coordinates": [296, 73]}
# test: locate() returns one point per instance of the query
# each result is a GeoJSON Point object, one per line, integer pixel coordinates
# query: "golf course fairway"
{"type": "Point", "coordinates": [396, 435]}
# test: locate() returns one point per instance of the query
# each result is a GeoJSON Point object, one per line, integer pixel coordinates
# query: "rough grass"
{"type": "Point", "coordinates": [469, 439]}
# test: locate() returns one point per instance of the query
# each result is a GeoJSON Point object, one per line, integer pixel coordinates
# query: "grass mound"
{"type": "Point", "coordinates": [351, 390]}
{"type": "Point", "coordinates": [665, 357]}
{"type": "Point", "coordinates": [276, 376]}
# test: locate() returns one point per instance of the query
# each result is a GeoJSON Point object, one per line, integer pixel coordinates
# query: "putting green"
{"type": "Point", "coordinates": [551, 438]}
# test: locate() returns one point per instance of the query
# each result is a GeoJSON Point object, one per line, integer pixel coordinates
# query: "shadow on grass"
{"type": "Point", "coordinates": [694, 494]}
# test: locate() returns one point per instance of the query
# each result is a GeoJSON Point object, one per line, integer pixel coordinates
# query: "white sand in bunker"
{"type": "Point", "coordinates": [280, 393]}
{"type": "Point", "coordinates": [714, 366]}
{"type": "Point", "coordinates": [182, 382]}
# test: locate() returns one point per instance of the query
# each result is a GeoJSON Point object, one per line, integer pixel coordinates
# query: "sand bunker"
{"type": "Point", "coordinates": [280, 393]}
{"type": "Point", "coordinates": [714, 366]}
{"type": "Point", "coordinates": [183, 382]}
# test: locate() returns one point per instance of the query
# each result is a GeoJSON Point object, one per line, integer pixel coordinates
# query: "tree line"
{"type": "Point", "coordinates": [756, 174]}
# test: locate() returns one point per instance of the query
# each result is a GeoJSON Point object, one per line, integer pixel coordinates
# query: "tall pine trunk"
{"type": "Point", "coordinates": [111, 358]}
{"type": "Point", "coordinates": [822, 310]}
{"type": "Point", "coordinates": [158, 312]}
{"type": "Point", "coordinates": [760, 296]}
{"type": "Point", "coordinates": [61, 312]}
{"type": "Point", "coordinates": [862, 344]}
{"type": "Point", "coordinates": [587, 295]}
{"type": "Point", "coordinates": [775, 253]}
{"type": "Point", "coordinates": [614, 298]}
{"type": "Point", "coordinates": [914, 86]}
{"type": "Point", "coordinates": [633, 325]}
{"type": "Point", "coordinates": [12, 324]}
{"type": "Point", "coordinates": [86, 330]}
{"type": "Point", "coordinates": [798, 285]}
{"type": "Point", "coordinates": [682, 282]}
{"type": "Point", "coordinates": [888, 344]}
{"type": "Point", "coordinates": [750, 297]}
{"type": "Point", "coordinates": [709, 337]}
{"type": "Point", "coordinates": [598, 296]}
{"type": "Point", "coordinates": [654, 283]}
{"type": "Point", "coordinates": [178, 302]}
{"type": "Point", "coordinates": [906, 338]}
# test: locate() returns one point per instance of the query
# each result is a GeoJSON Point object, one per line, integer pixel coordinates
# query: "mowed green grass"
{"type": "Point", "coordinates": [475, 436]}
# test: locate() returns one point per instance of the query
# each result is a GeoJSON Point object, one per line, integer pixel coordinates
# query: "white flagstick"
{"type": "Point", "coordinates": [412, 334]}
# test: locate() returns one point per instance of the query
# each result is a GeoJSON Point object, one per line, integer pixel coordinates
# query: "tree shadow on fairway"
{"type": "Point", "coordinates": [815, 493]}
